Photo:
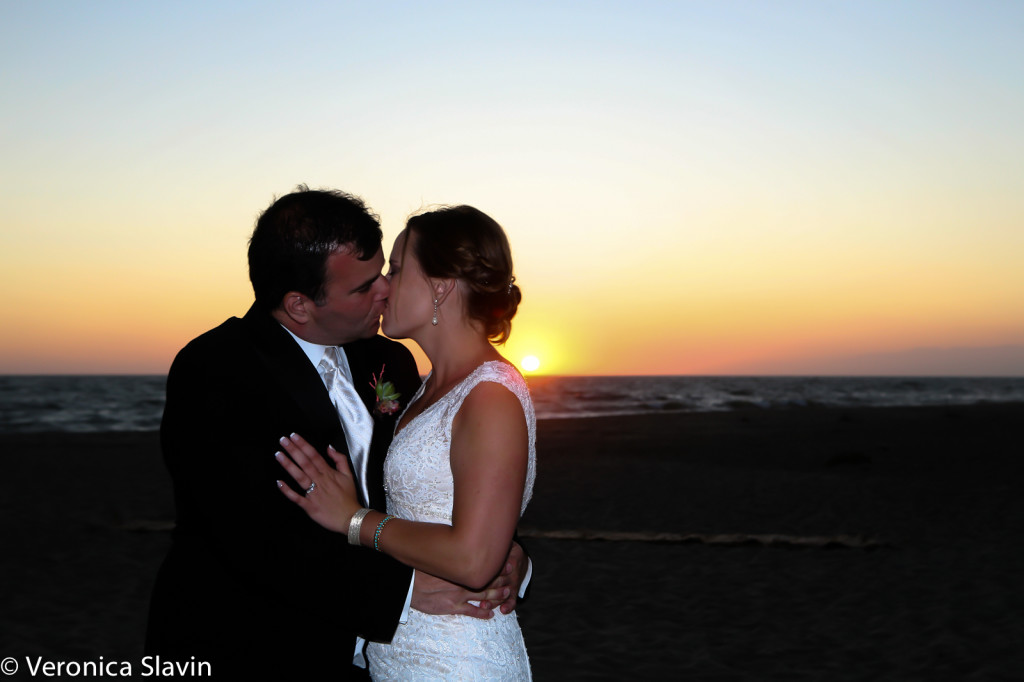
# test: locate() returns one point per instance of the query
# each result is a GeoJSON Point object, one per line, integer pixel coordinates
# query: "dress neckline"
{"type": "Point", "coordinates": [419, 392]}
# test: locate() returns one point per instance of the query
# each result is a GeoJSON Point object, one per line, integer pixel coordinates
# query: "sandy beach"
{"type": "Point", "coordinates": [811, 544]}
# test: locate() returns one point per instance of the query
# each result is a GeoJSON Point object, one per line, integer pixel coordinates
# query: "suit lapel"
{"type": "Point", "coordinates": [289, 366]}
{"type": "Point", "coordinates": [364, 363]}
{"type": "Point", "coordinates": [362, 374]}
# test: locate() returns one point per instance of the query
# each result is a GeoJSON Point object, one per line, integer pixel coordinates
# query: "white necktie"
{"type": "Point", "coordinates": [355, 419]}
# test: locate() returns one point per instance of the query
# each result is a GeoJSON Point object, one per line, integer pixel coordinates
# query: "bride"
{"type": "Point", "coordinates": [461, 467]}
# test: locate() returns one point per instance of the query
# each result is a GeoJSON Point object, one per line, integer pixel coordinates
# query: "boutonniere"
{"type": "Point", "coordinates": [387, 396]}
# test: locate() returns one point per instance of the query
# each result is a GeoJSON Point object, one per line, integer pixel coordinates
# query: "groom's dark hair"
{"type": "Point", "coordinates": [289, 247]}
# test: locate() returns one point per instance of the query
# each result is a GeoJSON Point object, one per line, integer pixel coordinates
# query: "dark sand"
{"type": "Point", "coordinates": [933, 491]}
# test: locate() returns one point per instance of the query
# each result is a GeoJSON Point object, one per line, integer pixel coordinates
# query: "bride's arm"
{"type": "Point", "coordinates": [489, 453]}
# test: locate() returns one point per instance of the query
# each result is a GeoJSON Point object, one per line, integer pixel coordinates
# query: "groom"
{"type": "Point", "coordinates": [250, 584]}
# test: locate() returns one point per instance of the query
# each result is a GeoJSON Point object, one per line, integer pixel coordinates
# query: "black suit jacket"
{"type": "Point", "coordinates": [251, 584]}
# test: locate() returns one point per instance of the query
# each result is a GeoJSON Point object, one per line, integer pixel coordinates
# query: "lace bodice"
{"type": "Point", "coordinates": [419, 485]}
{"type": "Point", "coordinates": [417, 473]}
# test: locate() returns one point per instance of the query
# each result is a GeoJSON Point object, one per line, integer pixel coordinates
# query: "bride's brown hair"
{"type": "Point", "coordinates": [461, 242]}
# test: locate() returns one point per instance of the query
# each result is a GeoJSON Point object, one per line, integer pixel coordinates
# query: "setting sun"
{"type": "Point", "coordinates": [530, 363]}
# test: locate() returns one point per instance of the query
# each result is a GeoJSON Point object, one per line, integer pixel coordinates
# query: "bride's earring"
{"type": "Point", "coordinates": [433, 321]}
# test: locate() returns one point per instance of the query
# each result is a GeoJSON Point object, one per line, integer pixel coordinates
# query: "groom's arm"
{"type": "Point", "coordinates": [436, 596]}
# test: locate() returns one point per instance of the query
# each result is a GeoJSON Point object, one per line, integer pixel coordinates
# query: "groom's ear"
{"type": "Point", "coordinates": [296, 307]}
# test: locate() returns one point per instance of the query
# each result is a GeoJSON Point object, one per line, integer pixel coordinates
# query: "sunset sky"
{"type": "Point", "coordinates": [689, 187]}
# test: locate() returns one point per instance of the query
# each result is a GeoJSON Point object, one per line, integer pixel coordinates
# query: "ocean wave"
{"type": "Point", "coordinates": [97, 403]}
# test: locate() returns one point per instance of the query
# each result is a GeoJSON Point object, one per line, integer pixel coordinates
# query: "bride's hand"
{"type": "Point", "coordinates": [330, 497]}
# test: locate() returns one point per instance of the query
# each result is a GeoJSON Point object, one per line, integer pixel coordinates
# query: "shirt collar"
{"type": "Point", "coordinates": [313, 351]}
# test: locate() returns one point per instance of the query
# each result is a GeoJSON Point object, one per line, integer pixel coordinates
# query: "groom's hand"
{"type": "Point", "coordinates": [513, 573]}
{"type": "Point", "coordinates": [439, 597]}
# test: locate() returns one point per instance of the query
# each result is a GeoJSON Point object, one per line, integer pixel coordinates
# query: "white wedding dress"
{"type": "Point", "coordinates": [419, 486]}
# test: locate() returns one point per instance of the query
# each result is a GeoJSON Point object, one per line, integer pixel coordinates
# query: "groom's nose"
{"type": "Point", "coordinates": [385, 287]}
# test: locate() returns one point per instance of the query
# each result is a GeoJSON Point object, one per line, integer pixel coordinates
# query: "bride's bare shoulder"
{"type": "Point", "coordinates": [490, 404]}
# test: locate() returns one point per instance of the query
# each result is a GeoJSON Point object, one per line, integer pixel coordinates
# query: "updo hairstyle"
{"type": "Point", "coordinates": [460, 242]}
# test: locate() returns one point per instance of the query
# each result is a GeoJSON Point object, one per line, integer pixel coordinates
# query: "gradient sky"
{"type": "Point", "coordinates": [689, 187]}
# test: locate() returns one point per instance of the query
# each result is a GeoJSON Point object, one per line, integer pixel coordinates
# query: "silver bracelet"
{"type": "Point", "coordinates": [356, 524]}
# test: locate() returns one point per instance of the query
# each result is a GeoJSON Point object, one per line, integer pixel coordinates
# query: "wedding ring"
{"type": "Point", "coordinates": [311, 488]}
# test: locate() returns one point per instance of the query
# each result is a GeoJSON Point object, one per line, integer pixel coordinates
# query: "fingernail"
{"type": "Point", "coordinates": [280, 484]}
{"type": "Point", "coordinates": [505, 593]}
{"type": "Point", "coordinates": [283, 440]}
{"type": "Point", "coordinates": [292, 436]}
{"type": "Point", "coordinates": [277, 455]}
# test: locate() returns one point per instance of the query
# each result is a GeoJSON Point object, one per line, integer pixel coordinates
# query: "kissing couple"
{"type": "Point", "coordinates": [328, 499]}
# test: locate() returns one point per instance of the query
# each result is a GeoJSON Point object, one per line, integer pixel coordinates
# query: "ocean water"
{"type": "Point", "coordinates": [134, 403]}
{"type": "Point", "coordinates": [559, 397]}
{"type": "Point", "coordinates": [81, 403]}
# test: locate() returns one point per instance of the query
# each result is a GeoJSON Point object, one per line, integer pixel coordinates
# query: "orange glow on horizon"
{"type": "Point", "coordinates": [120, 334]}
